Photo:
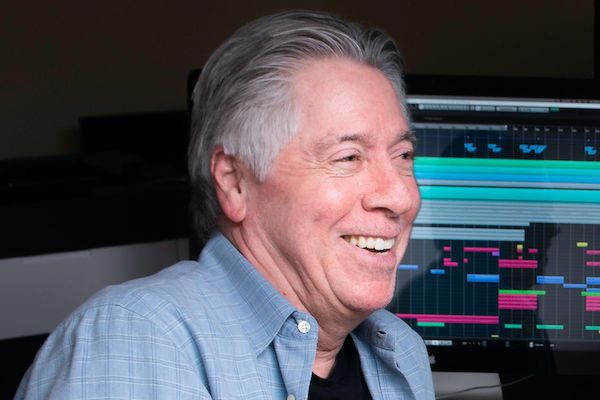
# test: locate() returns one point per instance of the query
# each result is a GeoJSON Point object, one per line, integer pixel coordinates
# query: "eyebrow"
{"type": "Point", "coordinates": [408, 135]}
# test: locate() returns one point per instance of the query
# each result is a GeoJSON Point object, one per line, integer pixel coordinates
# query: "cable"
{"type": "Point", "coordinates": [451, 395]}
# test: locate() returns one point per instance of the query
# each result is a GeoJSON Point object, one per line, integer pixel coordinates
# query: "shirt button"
{"type": "Point", "coordinates": [303, 327]}
{"type": "Point", "coordinates": [291, 397]}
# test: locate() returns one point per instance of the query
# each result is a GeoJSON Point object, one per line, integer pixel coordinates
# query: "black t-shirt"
{"type": "Point", "coordinates": [346, 381]}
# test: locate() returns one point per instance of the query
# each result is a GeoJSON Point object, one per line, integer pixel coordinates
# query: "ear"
{"type": "Point", "coordinates": [229, 180]}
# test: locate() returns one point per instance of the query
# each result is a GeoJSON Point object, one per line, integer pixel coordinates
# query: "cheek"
{"type": "Point", "coordinates": [331, 202]}
{"type": "Point", "coordinates": [307, 205]}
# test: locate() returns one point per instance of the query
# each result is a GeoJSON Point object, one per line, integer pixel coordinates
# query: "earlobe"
{"type": "Point", "coordinates": [228, 178]}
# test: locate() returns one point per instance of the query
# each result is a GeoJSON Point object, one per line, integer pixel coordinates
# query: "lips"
{"type": "Point", "coordinates": [373, 243]}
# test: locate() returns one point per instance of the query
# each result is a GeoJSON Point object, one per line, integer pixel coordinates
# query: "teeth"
{"type": "Point", "coordinates": [370, 242]}
{"type": "Point", "coordinates": [362, 242]}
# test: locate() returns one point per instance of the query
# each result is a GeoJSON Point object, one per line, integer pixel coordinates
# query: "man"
{"type": "Point", "coordinates": [301, 168]}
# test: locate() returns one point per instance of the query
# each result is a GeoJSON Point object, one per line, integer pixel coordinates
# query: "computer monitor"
{"type": "Point", "coordinates": [503, 270]}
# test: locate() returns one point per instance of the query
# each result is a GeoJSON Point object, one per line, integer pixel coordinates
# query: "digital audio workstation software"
{"type": "Point", "coordinates": [506, 247]}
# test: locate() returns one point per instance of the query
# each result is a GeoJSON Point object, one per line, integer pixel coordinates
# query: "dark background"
{"type": "Point", "coordinates": [64, 60]}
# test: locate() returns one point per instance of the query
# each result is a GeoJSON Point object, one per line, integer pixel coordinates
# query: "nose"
{"type": "Point", "coordinates": [391, 191]}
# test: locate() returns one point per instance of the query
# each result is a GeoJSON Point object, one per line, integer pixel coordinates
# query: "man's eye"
{"type": "Point", "coordinates": [349, 158]}
{"type": "Point", "coordinates": [405, 161]}
{"type": "Point", "coordinates": [408, 155]}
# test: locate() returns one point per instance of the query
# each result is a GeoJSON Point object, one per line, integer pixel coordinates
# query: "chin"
{"type": "Point", "coordinates": [372, 298]}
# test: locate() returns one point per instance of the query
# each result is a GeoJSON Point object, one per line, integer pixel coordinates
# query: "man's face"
{"type": "Point", "coordinates": [335, 212]}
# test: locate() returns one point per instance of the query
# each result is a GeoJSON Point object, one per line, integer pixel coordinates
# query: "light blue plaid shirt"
{"type": "Point", "coordinates": [212, 329]}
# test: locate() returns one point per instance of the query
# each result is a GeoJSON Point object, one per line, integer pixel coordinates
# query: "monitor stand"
{"type": "Point", "coordinates": [446, 383]}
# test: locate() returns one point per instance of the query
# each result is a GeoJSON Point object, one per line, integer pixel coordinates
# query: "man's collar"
{"type": "Point", "coordinates": [380, 330]}
{"type": "Point", "coordinates": [263, 310]}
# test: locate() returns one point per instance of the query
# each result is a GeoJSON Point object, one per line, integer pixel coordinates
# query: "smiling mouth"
{"type": "Point", "coordinates": [370, 243]}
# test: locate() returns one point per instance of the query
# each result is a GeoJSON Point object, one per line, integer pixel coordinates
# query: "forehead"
{"type": "Point", "coordinates": [336, 97]}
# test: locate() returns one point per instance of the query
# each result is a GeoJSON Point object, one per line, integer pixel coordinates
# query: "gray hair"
{"type": "Point", "coordinates": [243, 98]}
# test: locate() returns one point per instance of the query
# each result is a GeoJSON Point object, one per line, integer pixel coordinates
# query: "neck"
{"type": "Point", "coordinates": [328, 348]}
{"type": "Point", "coordinates": [270, 269]}
{"type": "Point", "coordinates": [334, 319]}
{"type": "Point", "coordinates": [332, 335]}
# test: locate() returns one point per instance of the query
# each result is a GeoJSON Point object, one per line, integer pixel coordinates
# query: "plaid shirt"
{"type": "Point", "coordinates": [212, 329]}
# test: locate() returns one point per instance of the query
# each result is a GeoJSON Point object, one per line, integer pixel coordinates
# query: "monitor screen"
{"type": "Point", "coordinates": [503, 269]}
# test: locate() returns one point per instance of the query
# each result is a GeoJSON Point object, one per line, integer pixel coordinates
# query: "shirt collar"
{"type": "Point", "coordinates": [261, 308]}
{"type": "Point", "coordinates": [377, 331]}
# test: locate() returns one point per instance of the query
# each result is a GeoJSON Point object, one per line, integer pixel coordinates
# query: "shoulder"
{"type": "Point", "coordinates": [130, 336]}
{"type": "Point", "coordinates": [156, 297]}
{"type": "Point", "coordinates": [179, 302]}
{"type": "Point", "coordinates": [148, 310]}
